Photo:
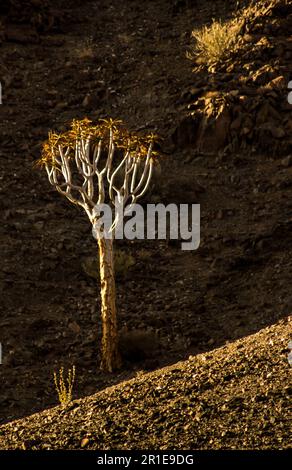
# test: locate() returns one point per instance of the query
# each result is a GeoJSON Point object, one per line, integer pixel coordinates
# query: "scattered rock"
{"type": "Point", "coordinates": [249, 109]}
{"type": "Point", "coordinates": [287, 162]}
{"type": "Point", "coordinates": [84, 442]}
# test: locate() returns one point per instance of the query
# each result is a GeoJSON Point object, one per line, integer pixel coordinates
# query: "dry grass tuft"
{"type": "Point", "coordinates": [64, 386]}
{"type": "Point", "coordinates": [85, 50]}
{"type": "Point", "coordinates": [215, 42]}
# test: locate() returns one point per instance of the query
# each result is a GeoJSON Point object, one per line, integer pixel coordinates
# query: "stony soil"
{"type": "Point", "coordinates": [235, 397]}
{"type": "Point", "coordinates": [239, 101]}
{"type": "Point", "coordinates": [127, 60]}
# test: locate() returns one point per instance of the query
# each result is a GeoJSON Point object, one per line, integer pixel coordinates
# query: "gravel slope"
{"type": "Point", "coordinates": [236, 397]}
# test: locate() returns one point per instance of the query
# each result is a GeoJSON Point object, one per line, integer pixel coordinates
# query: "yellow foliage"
{"type": "Point", "coordinates": [64, 386]}
{"type": "Point", "coordinates": [105, 132]}
{"type": "Point", "coordinates": [215, 42]}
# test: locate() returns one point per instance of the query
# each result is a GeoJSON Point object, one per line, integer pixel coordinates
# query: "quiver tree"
{"type": "Point", "coordinates": [92, 165]}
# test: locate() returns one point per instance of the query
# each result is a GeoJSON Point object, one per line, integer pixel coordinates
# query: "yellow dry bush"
{"type": "Point", "coordinates": [215, 42]}
{"type": "Point", "coordinates": [64, 386]}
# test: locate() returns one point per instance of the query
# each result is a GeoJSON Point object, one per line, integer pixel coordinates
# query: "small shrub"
{"type": "Point", "coordinates": [215, 42]}
{"type": "Point", "coordinates": [122, 263]}
{"type": "Point", "coordinates": [85, 50]}
{"type": "Point", "coordinates": [64, 386]}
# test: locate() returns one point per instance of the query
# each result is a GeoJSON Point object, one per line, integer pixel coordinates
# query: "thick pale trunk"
{"type": "Point", "coordinates": [110, 357]}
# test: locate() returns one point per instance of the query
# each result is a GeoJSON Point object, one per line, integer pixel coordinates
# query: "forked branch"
{"type": "Point", "coordinates": [95, 164]}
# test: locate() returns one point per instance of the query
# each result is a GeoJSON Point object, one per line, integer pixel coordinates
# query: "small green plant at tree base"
{"type": "Point", "coordinates": [215, 42]}
{"type": "Point", "coordinates": [122, 263]}
{"type": "Point", "coordinates": [64, 386]}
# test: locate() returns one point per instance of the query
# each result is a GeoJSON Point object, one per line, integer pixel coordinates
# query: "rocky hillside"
{"type": "Point", "coordinates": [23, 21]}
{"type": "Point", "coordinates": [235, 397]}
{"type": "Point", "coordinates": [240, 103]}
{"type": "Point", "coordinates": [128, 60]}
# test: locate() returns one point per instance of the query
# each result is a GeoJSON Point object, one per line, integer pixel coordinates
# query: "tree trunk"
{"type": "Point", "coordinates": [110, 357]}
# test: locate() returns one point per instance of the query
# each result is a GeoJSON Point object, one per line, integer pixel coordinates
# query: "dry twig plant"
{"type": "Point", "coordinates": [215, 42]}
{"type": "Point", "coordinates": [97, 164]}
{"type": "Point", "coordinates": [64, 387]}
